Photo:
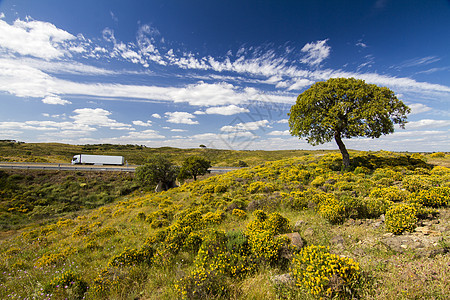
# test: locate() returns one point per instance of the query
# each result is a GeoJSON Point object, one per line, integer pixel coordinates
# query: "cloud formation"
{"type": "Point", "coordinates": [316, 52]}
{"type": "Point", "coordinates": [179, 117]}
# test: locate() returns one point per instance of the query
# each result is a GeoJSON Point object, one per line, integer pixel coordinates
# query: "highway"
{"type": "Point", "coordinates": [70, 167]}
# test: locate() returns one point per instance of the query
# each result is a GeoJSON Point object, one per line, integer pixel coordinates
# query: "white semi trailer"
{"type": "Point", "coordinates": [97, 159]}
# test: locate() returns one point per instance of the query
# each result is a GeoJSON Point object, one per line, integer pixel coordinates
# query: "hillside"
{"type": "Point", "coordinates": [136, 154]}
{"type": "Point", "coordinates": [386, 223]}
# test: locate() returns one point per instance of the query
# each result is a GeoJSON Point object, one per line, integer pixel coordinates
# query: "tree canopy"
{"type": "Point", "coordinates": [194, 166]}
{"type": "Point", "coordinates": [157, 170]}
{"type": "Point", "coordinates": [344, 108]}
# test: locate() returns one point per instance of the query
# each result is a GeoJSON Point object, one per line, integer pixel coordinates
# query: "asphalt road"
{"type": "Point", "coordinates": [70, 167]}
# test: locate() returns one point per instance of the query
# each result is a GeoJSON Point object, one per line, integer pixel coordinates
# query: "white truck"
{"type": "Point", "coordinates": [88, 159]}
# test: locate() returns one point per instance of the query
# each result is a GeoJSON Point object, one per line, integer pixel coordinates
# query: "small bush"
{"type": "Point", "coordinates": [67, 286]}
{"type": "Point", "coordinates": [332, 210]}
{"type": "Point", "coordinates": [201, 284]}
{"type": "Point", "coordinates": [260, 187]}
{"type": "Point", "coordinates": [132, 257]}
{"type": "Point", "coordinates": [434, 197]}
{"type": "Point", "coordinates": [239, 213]}
{"type": "Point", "coordinates": [400, 218]}
{"type": "Point", "coordinates": [324, 274]}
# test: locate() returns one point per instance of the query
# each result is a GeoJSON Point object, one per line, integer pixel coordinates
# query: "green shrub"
{"type": "Point", "coordinates": [202, 284]}
{"type": "Point", "coordinates": [437, 154]}
{"type": "Point", "coordinates": [392, 193]}
{"type": "Point", "coordinates": [69, 285]}
{"type": "Point", "coordinates": [375, 207]}
{"type": "Point", "coordinates": [400, 218]}
{"type": "Point", "coordinates": [324, 274]}
{"type": "Point", "coordinates": [331, 209]}
{"type": "Point", "coordinates": [260, 187]}
{"type": "Point", "coordinates": [434, 197]}
{"type": "Point", "coordinates": [416, 183]}
{"type": "Point", "coordinates": [133, 256]}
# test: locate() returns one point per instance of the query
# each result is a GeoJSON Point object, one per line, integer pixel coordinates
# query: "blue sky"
{"type": "Point", "coordinates": [219, 73]}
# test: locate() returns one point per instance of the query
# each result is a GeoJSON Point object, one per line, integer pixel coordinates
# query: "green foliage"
{"type": "Point", "coordinates": [156, 170]}
{"type": "Point", "coordinates": [434, 197]}
{"type": "Point", "coordinates": [345, 108]}
{"type": "Point", "coordinates": [400, 218]}
{"type": "Point", "coordinates": [331, 209]}
{"type": "Point", "coordinates": [202, 284]}
{"type": "Point", "coordinates": [31, 195]}
{"type": "Point", "coordinates": [133, 256]}
{"type": "Point", "coordinates": [68, 285]}
{"type": "Point", "coordinates": [325, 274]}
{"type": "Point", "coordinates": [194, 166]}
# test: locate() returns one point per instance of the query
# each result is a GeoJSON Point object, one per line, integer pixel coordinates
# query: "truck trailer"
{"type": "Point", "coordinates": [88, 159]}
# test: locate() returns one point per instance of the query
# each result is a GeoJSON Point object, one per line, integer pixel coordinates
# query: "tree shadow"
{"type": "Point", "coordinates": [373, 162]}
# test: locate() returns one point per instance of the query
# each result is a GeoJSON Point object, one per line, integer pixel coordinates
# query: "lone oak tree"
{"type": "Point", "coordinates": [194, 166]}
{"type": "Point", "coordinates": [344, 108]}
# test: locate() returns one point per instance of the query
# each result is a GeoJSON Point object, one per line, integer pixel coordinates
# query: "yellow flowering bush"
{"type": "Point", "coordinates": [331, 209]}
{"type": "Point", "coordinates": [375, 207]}
{"type": "Point", "coordinates": [80, 230]}
{"type": "Point", "coordinates": [213, 218]}
{"type": "Point", "coordinates": [201, 284]}
{"type": "Point", "coordinates": [325, 274]}
{"type": "Point", "coordinates": [318, 181]}
{"type": "Point", "coordinates": [260, 187]}
{"type": "Point", "coordinates": [261, 235]}
{"type": "Point", "coordinates": [391, 193]}
{"type": "Point", "coordinates": [132, 256]}
{"type": "Point", "coordinates": [400, 218]}
{"type": "Point", "coordinates": [220, 188]}
{"type": "Point", "coordinates": [68, 285]}
{"type": "Point", "coordinates": [434, 197]}
{"type": "Point", "coordinates": [57, 258]}
{"type": "Point", "coordinates": [416, 183]}
{"type": "Point", "coordinates": [239, 213]}
{"type": "Point", "coordinates": [437, 154]}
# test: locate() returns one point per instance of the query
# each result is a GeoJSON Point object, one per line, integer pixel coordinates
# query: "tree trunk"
{"type": "Point", "coordinates": [344, 152]}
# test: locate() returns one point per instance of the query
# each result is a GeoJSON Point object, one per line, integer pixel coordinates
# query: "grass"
{"type": "Point", "coordinates": [86, 242]}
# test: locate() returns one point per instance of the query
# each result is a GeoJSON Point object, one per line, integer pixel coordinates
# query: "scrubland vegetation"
{"type": "Point", "coordinates": [136, 154]}
{"type": "Point", "coordinates": [232, 236]}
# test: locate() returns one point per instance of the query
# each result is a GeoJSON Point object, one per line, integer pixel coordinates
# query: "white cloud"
{"type": "Point", "coordinates": [178, 130]}
{"type": "Point", "coordinates": [420, 61]}
{"type": "Point", "coordinates": [97, 117]}
{"type": "Point", "coordinates": [34, 38]}
{"type": "Point", "coordinates": [427, 123]}
{"type": "Point", "coordinates": [142, 123]}
{"type": "Point", "coordinates": [179, 117]}
{"type": "Point", "coordinates": [148, 134]}
{"type": "Point", "coordinates": [249, 126]}
{"type": "Point", "coordinates": [157, 116]}
{"type": "Point", "coordinates": [417, 108]}
{"type": "Point", "coordinates": [361, 44]}
{"type": "Point", "coordinates": [316, 52]}
{"type": "Point", "coordinates": [277, 132]}
{"type": "Point", "coordinates": [226, 110]}
{"type": "Point", "coordinates": [55, 100]}
{"type": "Point", "coordinates": [283, 121]}
{"type": "Point", "coordinates": [300, 84]}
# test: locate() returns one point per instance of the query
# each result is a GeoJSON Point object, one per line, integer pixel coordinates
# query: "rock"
{"type": "Point", "coordinates": [283, 279]}
{"type": "Point", "coordinates": [295, 240]}
{"type": "Point", "coordinates": [382, 218]}
{"type": "Point", "coordinates": [349, 222]}
{"type": "Point", "coordinates": [377, 224]}
{"type": "Point", "coordinates": [338, 241]}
